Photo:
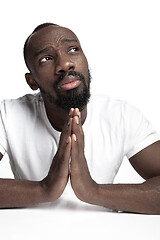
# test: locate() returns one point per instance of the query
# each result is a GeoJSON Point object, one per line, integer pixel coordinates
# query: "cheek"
{"type": "Point", "coordinates": [83, 64]}
{"type": "Point", "coordinates": [86, 70]}
{"type": "Point", "coordinates": [44, 75]}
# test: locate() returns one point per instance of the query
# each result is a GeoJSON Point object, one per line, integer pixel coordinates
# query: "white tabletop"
{"type": "Point", "coordinates": [69, 218]}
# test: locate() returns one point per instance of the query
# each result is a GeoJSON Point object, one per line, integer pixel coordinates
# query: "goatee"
{"type": "Point", "coordinates": [73, 97]}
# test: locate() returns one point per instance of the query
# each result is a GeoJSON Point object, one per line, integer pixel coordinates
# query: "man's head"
{"type": "Point", "coordinates": [58, 66]}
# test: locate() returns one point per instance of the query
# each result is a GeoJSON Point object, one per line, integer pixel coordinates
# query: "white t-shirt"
{"type": "Point", "coordinates": [113, 129]}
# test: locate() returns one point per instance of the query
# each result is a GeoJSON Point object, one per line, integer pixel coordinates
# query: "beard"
{"type": "Point", "coordinates": [73, 98]}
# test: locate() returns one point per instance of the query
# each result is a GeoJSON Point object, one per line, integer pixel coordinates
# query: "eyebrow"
{"type": "Point", "coordinates": [47, 49]}
{"type": "Point", "coordinates": [68, 40]}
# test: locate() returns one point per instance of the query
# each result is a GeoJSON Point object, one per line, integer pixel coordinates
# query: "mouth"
{"type": "Point", "coordinates": [69, 82]}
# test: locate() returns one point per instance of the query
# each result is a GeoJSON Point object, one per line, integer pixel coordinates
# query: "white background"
{"type": "Point", "coordinates": [121, 39]}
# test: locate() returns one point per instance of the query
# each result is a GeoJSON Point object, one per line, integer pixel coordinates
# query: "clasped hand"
{"type": "Point", "coordinates": [70, 161]}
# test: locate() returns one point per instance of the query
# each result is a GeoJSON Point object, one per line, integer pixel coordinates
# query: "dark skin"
{"type": "Point", "coordinates": [50, 55]}
{"type": "Point", "coordinates": [59, 51]}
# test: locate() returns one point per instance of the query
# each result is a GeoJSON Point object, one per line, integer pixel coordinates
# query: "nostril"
{"type": "Point", "coordinates": [71, 68]}
{"type": "Point", "coordinates": [61, 71]}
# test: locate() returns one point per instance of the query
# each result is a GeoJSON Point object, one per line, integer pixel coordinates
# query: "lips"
{"type": "Point", "coordinates": [69, 82]}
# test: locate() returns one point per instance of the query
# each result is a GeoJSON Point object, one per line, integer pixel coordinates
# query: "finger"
{"type": "Point", "coordinates": [77, 135]}
{"type": "Point", "coordinates": [67, 126]}
{"type": "Point", "coordinates": [74, 149]}
{"type": "Point", "coordinates": [67, 149]}
{"type": "Point", "coordinates": [77, 157]}
{"type": "Point", "coordinates": [66, 132]}
{"type": "Point", "coordinates": [76, 119]}
{"type": "Point", "coordinates": [76, 112]}
{"type": "Point", "coordinates": [64, 150]}
{"type": "Point", "coordinates": [77, 127]}
{"type": "Point", "coordinates": [71, 112]}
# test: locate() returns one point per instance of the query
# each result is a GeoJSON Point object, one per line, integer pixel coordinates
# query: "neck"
{"type": "Point", "coordinates": [58, 116]}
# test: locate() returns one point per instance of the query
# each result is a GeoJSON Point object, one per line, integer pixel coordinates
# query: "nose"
{"type": "Point", "coordinates": [64, 64]}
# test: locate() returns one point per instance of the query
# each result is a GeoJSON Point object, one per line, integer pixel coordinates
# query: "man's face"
{"type": "Point", "coordinates": [59, 67]}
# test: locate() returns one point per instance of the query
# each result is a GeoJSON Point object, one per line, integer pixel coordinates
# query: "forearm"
{"type": "Point", "coordinates": [138, 198]}
{"type": "Point", "coordinates": [21, 193]}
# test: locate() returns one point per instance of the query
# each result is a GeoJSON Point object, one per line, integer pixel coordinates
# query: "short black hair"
{"type": "Point", "coordinates": [39, 27]}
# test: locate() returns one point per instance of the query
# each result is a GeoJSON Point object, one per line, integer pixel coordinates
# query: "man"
{"type": "Point", "coordinates": [47, 145]}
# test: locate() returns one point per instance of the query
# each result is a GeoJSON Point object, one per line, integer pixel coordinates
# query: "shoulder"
{"type": "Point", "coordinates": [108, 105]}
{"type": "Point", "coordinates": [24, 104]}
{"type": "Point", "coordinates": [115, 111]}
{"type": "Point", "coordinates": [26, 99]}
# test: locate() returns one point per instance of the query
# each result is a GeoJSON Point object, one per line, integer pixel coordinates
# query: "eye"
{"type": "Point", "coordinates": [73, 49]}
{"type": "Point", "coordinates": [45, 59]}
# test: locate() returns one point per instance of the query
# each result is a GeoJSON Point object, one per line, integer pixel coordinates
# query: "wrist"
{"type": "Point", "coordinates": [87, 193]}
{"type": "Point", "coordinates": [47, 193]}
{"type": "Point", "coordinates": [53, 188]}
{"type": "Point", "coordinates": [93, 193]}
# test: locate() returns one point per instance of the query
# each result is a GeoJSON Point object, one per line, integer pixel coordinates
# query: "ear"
{"type": "Point", "coordinates": [31, 82]}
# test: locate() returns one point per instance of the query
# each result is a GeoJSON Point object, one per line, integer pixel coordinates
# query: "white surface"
{"type": "Point", "coordinates": [71, 220]}
{"type": "Point", "coordinates": [68, 218]}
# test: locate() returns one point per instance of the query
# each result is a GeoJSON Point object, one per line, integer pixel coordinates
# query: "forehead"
{"type": "Point", "coordinates": [51, 35]}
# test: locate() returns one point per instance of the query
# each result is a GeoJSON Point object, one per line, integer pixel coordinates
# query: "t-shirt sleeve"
{"type": "Point", "coordinates": [139, 132]}
{"type": "Point", "coordinates": [3, 137]}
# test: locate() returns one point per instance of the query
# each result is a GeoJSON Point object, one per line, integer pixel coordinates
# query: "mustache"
{"type": "Point", "coordinates": [70, 73]}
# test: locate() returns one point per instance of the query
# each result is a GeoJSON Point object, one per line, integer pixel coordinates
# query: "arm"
{"type": "Point", "coordinates": [139, 198]}
{"type": "Point", "coordinates": [1, 156]}
{"type": "Point", "coordinates": [20, 193]}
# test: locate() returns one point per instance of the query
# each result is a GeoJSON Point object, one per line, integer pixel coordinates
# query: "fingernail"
{"type": "Point", "coordinates": [78, 112]}
{"type": "Point", "coordinates": [74, 137]}
{"type": "Point", "coordinates": [68, 140]}
{"type": "Point", "coordinates": [71, 112]}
